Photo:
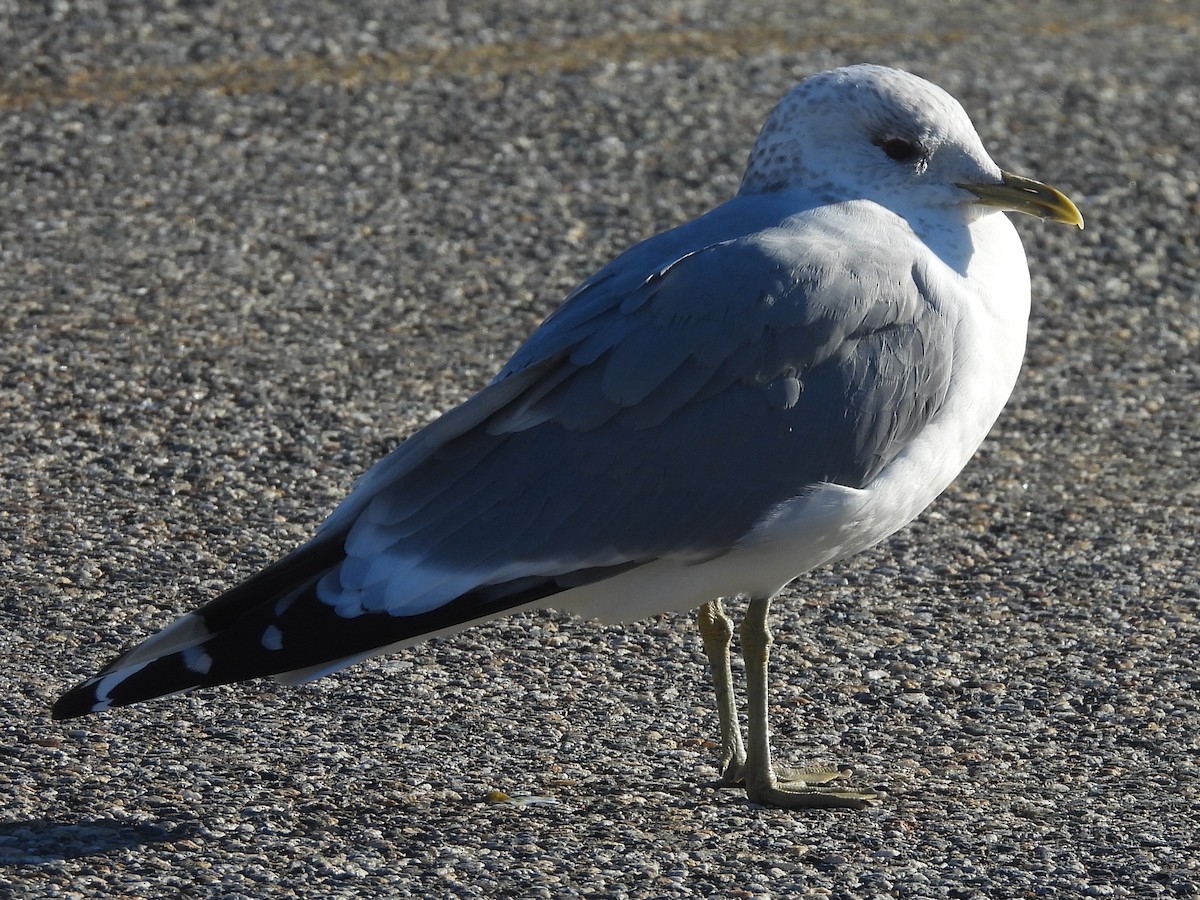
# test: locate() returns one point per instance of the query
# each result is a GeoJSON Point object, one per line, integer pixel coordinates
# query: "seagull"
{"type": "Point", "coordinates": [776, 385]}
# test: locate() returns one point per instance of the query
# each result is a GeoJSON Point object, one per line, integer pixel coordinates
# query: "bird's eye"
{"type": "Point", "coordinates": [899, 149]}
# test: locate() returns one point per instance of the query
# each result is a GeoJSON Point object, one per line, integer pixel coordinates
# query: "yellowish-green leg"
{"type": "Point", "coordinates": [762, 783]}
{"type": "Point", "coordinates": [716, 631]}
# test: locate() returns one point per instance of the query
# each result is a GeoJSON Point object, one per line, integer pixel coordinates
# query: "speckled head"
{"type": "Point", "coordinates": [870, 132]}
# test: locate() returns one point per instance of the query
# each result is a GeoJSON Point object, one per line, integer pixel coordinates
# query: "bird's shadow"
{"type": "Point", "coordinates": [33, 841]}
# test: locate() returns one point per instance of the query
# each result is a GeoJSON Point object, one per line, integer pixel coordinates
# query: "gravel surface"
{"type": "Point", "coordinates": [246, 248]}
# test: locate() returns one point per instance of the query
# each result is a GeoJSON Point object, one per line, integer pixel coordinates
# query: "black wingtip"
{"type": "Point", "coordinates": [79, 701]}
{"type": "Point", "coordinates": [313, 634]}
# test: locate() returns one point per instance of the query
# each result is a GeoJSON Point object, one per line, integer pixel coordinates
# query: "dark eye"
{"type": "Point", "coordinates": [899, 149]}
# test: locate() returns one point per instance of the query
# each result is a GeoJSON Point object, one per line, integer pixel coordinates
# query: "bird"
{"type": "Point", "coordinates": [776, 385]}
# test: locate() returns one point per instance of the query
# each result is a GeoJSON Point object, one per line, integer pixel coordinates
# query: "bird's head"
{"type": "Point", "coordinates": [874, 133]}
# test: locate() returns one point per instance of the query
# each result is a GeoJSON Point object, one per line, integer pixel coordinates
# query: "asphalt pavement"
{"type": "Point", "coordinates": [246, 248]}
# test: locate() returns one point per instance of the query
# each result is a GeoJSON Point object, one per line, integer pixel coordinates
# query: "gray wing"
{"type": "Point", "coordinates": [658, 414]}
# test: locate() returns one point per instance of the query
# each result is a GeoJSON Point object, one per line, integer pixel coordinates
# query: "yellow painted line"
{"type": "Point", "coordinates": [117, 86]}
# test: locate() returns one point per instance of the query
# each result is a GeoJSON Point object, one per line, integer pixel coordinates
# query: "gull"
{"type": "Point", "coordinates": [776, 385]}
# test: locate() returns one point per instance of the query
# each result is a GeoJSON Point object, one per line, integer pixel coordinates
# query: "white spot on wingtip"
{"type": "Point", "coordinates": [185, 632]}
{"type": "Point", "coordinates": [197, 660]}
{"type": "Point", "coordinates": [272, 638]}
{"type": "Point", "coordinates": [105, 686]}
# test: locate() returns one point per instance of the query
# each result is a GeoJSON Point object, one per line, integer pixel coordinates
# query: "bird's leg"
{"type": "Point", "coordinates": [716, 631]}
{"type": "Point", "coordinates": [762, 784]}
